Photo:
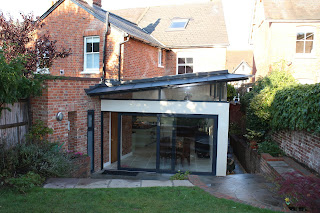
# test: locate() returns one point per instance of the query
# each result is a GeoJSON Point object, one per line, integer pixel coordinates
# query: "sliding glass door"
{"type": "Point", "coordinates": [168, 143]}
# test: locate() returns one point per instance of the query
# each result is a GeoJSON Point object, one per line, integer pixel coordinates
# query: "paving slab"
{"type": "Point", "coordinates": [182, 183]}
{"type": "Point", "coordinates": [92, 183]}
{"type": "Point", "coordinates": [61, 183]}
{"type": "Point", "coordinates": [154, 183]}
{"type": "Point", "coordinates": [121, 183]}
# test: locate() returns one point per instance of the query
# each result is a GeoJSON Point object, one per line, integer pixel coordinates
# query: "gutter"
{"type": "Point", "coordinates": [119, 63]}
{"type": "Point", "coordinates": [104, 48]}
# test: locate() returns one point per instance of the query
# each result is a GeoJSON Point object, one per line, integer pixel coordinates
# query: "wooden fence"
{"type": "Point", "coordinates": [14, 124]}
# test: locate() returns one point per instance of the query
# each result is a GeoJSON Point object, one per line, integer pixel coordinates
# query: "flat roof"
{"type": "Point", "coordinates": [164, 82]}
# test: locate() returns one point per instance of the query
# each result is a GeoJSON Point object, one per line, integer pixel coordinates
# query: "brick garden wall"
{"type": "Point", "coordinates": [69, 96]}
{"type": "Point", "coordinates": [302, 146]}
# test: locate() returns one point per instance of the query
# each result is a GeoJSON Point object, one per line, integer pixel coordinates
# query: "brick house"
{"type": "Point", "coordinates": [146, 94]}
{"type": "Point", "coordinates": [287, 30]}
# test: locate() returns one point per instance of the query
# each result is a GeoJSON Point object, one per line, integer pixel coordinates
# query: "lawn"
{"type": "Point", "coordinates": [157, 199]}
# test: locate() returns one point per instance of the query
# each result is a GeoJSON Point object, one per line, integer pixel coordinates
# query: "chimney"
{"type": "Point", "coordinates": [94, 2]}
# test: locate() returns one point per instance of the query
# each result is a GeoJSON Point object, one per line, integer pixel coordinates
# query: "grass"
{"type": "Point", "coordinates": [156, 199]}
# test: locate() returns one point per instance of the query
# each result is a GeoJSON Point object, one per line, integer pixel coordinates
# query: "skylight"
{"type": "Point", "coordinates": [179, 23]}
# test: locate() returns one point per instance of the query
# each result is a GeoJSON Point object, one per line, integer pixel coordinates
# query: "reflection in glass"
{"type": "Point", "coordinates": [138, 142]}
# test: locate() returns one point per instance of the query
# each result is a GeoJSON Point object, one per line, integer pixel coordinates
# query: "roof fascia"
{"type": "Point", "coordinates": [52, 8]}
{"type": "Point", "coordinates": [199, 46]}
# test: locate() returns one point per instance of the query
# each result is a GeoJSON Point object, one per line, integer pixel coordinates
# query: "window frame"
{"type": "Point", "coordinates": [85, 69]}
{"type": "Point", "coordinates": [160, 58]}
{"type": "Point", "coordinates": [305, 30]}
{"type": "Point", "coordinates": [185, 64]}
{"type": "Point", "coordinates": [175, 20]}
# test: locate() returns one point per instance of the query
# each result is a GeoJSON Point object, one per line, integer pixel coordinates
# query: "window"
{"type": "Point", "coordinates": [179, 23]}
{"type": "Point", "coordinates": [160, 58]}
{"type": "Point", "coordinates": [185, 65]}
{"type": "Point", "coordinates": [304, 42]}
{"type": "Point", "coordinates": [91, 54]}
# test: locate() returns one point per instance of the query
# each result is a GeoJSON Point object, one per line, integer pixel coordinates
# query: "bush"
{"type": "Point", "coordinates": [231, 92]}
{"type": "Point", "coordinates": [271, 148]}
{"type": "Point", "coordinates": [37, 156]}
{"type": "Point", "coordinates": [180, 176]}
{"type": "Point", "coordinates": [258, 102]}
{"type": "Point", "coordinates": [301, 191]}
{"type": "Point", "coordinates": [26, 182]}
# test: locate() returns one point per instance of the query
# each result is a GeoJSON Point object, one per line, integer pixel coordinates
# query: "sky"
{"type": "Point", "coordinates": [238, 13]}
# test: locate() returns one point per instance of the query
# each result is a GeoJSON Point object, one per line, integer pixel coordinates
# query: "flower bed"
{"type": "Point", "coordinates": [80, 165]}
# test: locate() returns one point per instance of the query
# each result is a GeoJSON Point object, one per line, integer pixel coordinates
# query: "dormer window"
{"type": "Point", "coordinates": [178, 24]}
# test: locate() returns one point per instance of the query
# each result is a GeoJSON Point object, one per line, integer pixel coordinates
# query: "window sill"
{"type": "Point", "coordinates": [160, 66]}
{"type": "Point", "coordinates": [88, 72]}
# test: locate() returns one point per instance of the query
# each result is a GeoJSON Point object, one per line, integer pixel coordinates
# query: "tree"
{"type": "Point", "coordinates": [21, 54]}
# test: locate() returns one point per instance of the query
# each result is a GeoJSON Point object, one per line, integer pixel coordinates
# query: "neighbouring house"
{"type": "Point", "coordinates": [145, 92]}
{"type": "Point", "coordinates": [287, 30]}
{"type": "Point", "coordinates": [241, 62]}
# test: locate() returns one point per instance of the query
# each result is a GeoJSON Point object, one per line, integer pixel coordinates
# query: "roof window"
{"type": "Point", "coordinates": [178, 24]}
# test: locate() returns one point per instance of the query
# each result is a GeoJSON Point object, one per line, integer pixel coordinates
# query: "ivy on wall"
{"type": "Point", "coordinates": [297, 108]}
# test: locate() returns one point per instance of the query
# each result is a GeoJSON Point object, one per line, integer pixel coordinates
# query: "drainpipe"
{"type": "Point", "coordinates": [104, 48]}
{"type": "Point", "coordinates": [119, 70]}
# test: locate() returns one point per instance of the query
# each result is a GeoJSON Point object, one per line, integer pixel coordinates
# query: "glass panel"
{"type": "Point", "coordinates": [178, 24]}
{"type": "Point", "coordinates": [309, 36]}
{"type": "Point", "coordinates": [89, 121]}
{"type": "Point", "coordinates": [149, 95]}
{"type": "Point", "coordinates": [193, 93]}
{"type": "Point", "coordinates": [189, 60]}
{"type": "Point", "coordinates": [138, 142]}
{"type": "Point", "coordinates": [89, 40]}
{"type": "Point", "coordinates": [189, 69]}
{"type": "Point", "coordinates": [166, 138]}
{"type": "Point", "coordinates": [95, 39]}
{"type": "Point", "coordinates": [309, 46]}
{"type": "Point", "coordinates": [95, 47]}
{"type": "Point", "coordinates": [223, 91]}
{"type": "Point", "coordinates": [194, 144]}
{"type": "Point", "coordinates": [300, 36]}
{"type": "Point", "coordinates": [96, 60]}
{"type": "Point", "coordinates": [181, 60]}
{"type": "Point", "coordinates": [89, 61]}
{"type": "Point", "coordinates": [89, 47]}
{"type": "Point", "coordinates": [300, 47]}
{"type": "Point", "coordinates": [181, 69]}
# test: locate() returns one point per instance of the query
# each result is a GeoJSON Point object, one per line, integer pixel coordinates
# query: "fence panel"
{"type": "Point", "coordinates": [14, 124]}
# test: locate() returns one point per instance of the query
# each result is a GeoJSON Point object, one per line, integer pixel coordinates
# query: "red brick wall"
{"type": "Point", "coordinates": [302, 146]}
{"type": "Point", "coordinates": [69, 96]}
{"type": "Point", "coordinates": [69, 24]}
{"type": "Point", "coordinates": [141, 61]}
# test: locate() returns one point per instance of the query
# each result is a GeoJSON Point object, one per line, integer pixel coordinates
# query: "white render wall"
{"type": "Point", "coordinates": [204, 59]}
{"type": "Point", "coordinates": [182, 107]}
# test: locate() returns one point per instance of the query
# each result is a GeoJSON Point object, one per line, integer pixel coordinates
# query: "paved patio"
{"type": "Point", "coordinates": [252, 189]}
{"type": "Point", "coordinates": [67, 183]}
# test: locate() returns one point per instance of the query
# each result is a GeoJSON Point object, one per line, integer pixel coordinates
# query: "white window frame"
{"type": "Point", "coordinates": [160, 58]}
{"type": "Point", "coordinates": [305, 30]}
{"type": "Point", "coordinates": [185, 64]}
{"type": "Point", "coordinates": [85, 69]}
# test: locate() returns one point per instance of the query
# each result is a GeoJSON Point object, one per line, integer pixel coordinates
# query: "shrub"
{"type": "Point", "coordinates": [301, 191]}
{"type": "Point", "coordinates": [258, 102]}
{"type": "Point", "coordinates": [271, 148]}
{"type": "Point", "coordinates": [180, 176]}
{"type": "Point", "coordinates": [231, 92]}
{"type": "Point", "coordinates": [26, 182]}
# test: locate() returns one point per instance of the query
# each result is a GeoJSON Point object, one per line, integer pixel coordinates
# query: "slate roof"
{"type": "Point", "coordinates": [292, 9]}
{"type": "Point", "coordinates": [166, 81]}
{"type": "Point", "coordinates": [206, 26]}
{"type": "Point", "coordinates": [125, 25]}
